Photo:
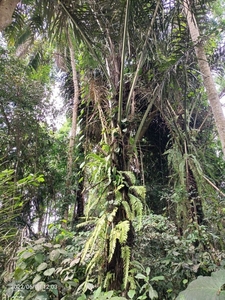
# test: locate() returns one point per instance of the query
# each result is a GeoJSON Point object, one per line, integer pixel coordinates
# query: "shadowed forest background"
{"type": "Point", "coordinates": [112, 146]}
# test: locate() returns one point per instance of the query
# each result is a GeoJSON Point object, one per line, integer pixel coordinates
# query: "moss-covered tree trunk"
{"type": "Point", "coordinates": [117, 264]}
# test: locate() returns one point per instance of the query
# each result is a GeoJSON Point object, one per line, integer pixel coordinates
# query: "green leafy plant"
{"type": "Point", "coordinates": [178, 259]}
{"type": "Point", "coordinates": [143, 283]}
{"type": "Point", "coordinates": [205, 287]}
{"type": "Point", "coordinates": [12, 201]}
{"type": "Point", "coordinates": [99, 294]}
{"type": "Point", "coordinates": [46, 270]}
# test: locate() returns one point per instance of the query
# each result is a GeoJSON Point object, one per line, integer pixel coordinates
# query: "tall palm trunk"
{"type": "Point", "coordinates": [70, 159]}
{"type": "Point", "coordinates": [206, 74]}
{"type": "Point", "coordinates": [7, 8]}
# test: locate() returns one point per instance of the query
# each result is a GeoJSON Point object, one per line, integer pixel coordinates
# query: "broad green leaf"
{"type": "Point", "coordinates": [38, 248]}
{"type": "Point", "coordinates": [22, 265]}
{"type": "Point", "coordinates": [36, 279]}
{"type": "Point", "coordinates": [40, 286]}
{"type": "Point", "coordinates": [54, 255]}
{"type": "Point", "coordinates": [74, 283]}
{"type": "Point", "coordinates": [157, 278]}
{"type": "Point", "coordinates": [109, 294]}
{"type": "Point", "coordinates": [131, 294]}
{"type": "Point", "coordinates": [49, 272]}
{"type": "Point", "coordinates": [62, 251]}
{"type": "Point", "coordinates": [39, 258]}
{"type": "Point", "coordinates": [42, 267]}
{"type": "Point", "coordinates": [55, 291]}
{"type": "Point", "coordinates": [140, 276]}
{"type": "Point", "coordinates": [27, 254]}
{"type": "Point", "coordinates": [152, 293]}
{"type": "Point", "coordinates": [19, 273]}
{"type": "Point", "coordinates": [205, 288]}
{"type": "Point", "coordinates": [97, 292]}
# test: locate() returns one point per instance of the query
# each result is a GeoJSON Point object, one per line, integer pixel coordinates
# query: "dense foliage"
{"type": "Point", "coordinates": [125, 199]}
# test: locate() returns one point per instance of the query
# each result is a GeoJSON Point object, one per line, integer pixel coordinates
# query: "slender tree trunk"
{"type": "Point", "coordinates": [7, 8]}
{"type": "Point", "coordinates": [206, 74]}
{"type": "Point", "coordinates": [70, 159]}
{"type": "Point", "coordinates": [78, 211]}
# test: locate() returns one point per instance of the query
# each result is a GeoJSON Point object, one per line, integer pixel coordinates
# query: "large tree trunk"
{"type": "Point", "coordinates": [7, 8]}
{"type": "Point", "coordinates": [116, 265]}
{"type": "Point", "coordinates": [206, 74]}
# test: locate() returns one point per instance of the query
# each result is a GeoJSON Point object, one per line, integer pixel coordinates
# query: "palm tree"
{"type": "Point", "coordinates": [206, 73]}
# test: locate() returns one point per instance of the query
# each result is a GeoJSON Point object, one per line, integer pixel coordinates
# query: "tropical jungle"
{"type": "Point", "coordinates": [112, 149]}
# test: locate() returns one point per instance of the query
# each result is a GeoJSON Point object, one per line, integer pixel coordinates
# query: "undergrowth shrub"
{"type": "Point", "coordinates": [180, 259]}
{"type": "Point", "coordinates": [47, 269]}
{"type": "Point", "coordinates": [162, 264]}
